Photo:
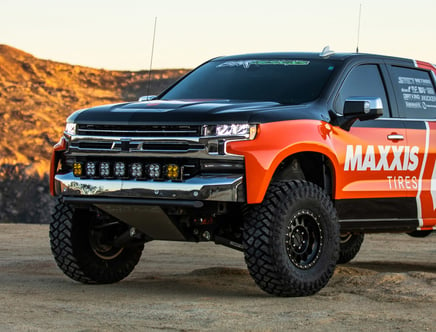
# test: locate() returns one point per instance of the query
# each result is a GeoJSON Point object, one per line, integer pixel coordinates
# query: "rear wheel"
{"type": "Point", "coordinates": [82, 244]}
{"type": "Point", "coordinates": [420, 233]}
{"type": "Point", "coordinates": [350, 246]}
{"type": "Point", "coordinates": [291, 239]}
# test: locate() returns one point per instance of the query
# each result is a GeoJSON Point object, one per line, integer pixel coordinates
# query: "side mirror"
{"type": "Point", "coordinates": [361, 108]}
{"type": "Point", "coordinates": [146, 98]}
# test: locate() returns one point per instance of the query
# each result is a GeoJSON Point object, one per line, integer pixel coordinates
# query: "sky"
{"type": "Point", "coordinates": [118, 34]}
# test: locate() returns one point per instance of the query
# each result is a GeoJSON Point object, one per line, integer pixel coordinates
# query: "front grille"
{"type": "Point", "coordinates": [94, 145]}
{"type": "Point", "coordinates": [141, 146]}
{"type": "Point", "coordinates": [139, 130]}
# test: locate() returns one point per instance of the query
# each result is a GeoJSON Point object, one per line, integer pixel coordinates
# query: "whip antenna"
{"type": "Point", "coordinates": [358, 29]}
{"type": "Point", "coordinates": [151, 58]}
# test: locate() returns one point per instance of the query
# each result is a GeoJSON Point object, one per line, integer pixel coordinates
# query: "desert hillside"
{"type": "Point", "coordinates": [36, 96]}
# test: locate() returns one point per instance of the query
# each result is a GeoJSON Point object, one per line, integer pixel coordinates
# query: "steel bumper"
{"type": "Point", "coordinates": [224, 188]}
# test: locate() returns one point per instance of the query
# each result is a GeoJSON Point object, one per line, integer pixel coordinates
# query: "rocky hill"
{"type": "Point", "coordinates": [37, 95]}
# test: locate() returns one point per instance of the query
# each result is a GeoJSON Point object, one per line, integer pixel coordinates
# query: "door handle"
{"type": "Point", "coordinates": [395, 137]}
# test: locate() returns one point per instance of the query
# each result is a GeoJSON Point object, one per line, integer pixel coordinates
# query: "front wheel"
{"type": "Point", "coordinates": [291, 239]}
{"type": "Point", "coordinates": [81, 240]}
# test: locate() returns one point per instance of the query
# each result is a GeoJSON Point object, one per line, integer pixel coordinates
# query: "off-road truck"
{"type": "Point", "coordinates": [288, 157]}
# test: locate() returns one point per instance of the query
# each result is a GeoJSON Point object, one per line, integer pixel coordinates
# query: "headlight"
{"type": "Point", "coordinates": [70, 129]}
{"type": "Point", "coordinates": [232, 130]}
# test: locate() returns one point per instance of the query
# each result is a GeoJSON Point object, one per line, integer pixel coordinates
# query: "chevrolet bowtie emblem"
{"type": "Point", "coordinates": [125, 145]}
{"type": "Point", "coordinates": [122, 145]}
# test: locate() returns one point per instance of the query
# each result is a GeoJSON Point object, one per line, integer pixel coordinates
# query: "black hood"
{"type": "Point", "coordinates": [193, 112]}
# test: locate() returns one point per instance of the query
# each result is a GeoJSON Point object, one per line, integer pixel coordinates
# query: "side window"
{"type": "Point", "coordinates": [363, 81]}
{"type": "Point", "coordinates": [415, 92]}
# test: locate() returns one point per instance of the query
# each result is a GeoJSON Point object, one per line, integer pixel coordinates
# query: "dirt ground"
{"type": "Point", "coordinates": [390, 286]}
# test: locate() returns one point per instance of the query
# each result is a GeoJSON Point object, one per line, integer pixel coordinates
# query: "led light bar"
{"type": "Point", "coordinates": [121, 169]}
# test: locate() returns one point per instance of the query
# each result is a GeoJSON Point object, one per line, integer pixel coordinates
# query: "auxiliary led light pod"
{"type": "Point", "coordinates": [90, 168]}
{"type": "Point", "coordinates": [172, 171]}
{"type": "Point", "coordinates": [154, 171]}
{"type": "Point", "coordinates": [77, 169]}
{"type": "Point", "coordinates": [104, 169]}
{"type": "Point", "coordinates": [119, 169]}
{"type": "Point", "coordinates": [136, 170]}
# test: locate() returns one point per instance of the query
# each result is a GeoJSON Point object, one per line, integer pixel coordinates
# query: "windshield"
{"type": "Point", "coordinates": [285, 81]}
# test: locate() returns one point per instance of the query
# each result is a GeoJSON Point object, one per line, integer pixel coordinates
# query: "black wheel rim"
{"type": "Point", "coordinates": [304, 239]}
{"type": "Point", "coordinates": [105, 252]}
{"type": "Point", "coordinates": [100, 246]}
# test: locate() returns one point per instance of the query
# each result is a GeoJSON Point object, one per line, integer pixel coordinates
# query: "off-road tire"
{"type": "Point", "coordinates": [291, 239]}
{"type": "Point", "coordinates": [76, 255]}
{"type": "Point", "coordinates": [350, 246]}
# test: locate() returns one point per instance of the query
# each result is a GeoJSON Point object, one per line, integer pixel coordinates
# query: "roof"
{"type": "Point", "coordinates": [308, 55]}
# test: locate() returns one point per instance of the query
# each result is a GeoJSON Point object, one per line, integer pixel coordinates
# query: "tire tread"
{"type": "Point", "coordinates": [72, 258]}
{"type": "Point", "coordinates": [261, 255]}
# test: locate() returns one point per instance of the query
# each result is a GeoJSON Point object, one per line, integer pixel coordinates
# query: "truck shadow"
{"type": "Point", "coordinates": [393, 267]}
{"type": "Point", "coordinates": [209, 282]}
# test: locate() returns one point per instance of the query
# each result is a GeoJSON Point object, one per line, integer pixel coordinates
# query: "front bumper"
{"type": "Point", "coordinates": [217, 187]}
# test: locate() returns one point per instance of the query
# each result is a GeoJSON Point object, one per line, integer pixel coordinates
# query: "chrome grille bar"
{"type": "Point", "coordinates": [138, 130]}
